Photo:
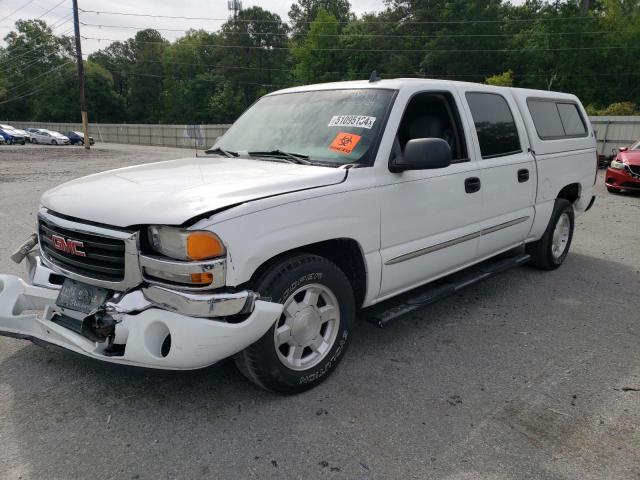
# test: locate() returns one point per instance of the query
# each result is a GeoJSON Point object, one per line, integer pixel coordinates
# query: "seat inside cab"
{"type": "Point", "coordinates": [432, 115]}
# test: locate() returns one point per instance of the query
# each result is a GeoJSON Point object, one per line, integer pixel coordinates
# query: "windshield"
{"type": "Point", "coordinates": [328, 126]}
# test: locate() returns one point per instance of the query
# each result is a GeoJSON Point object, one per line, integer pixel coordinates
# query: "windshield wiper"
{"type": "Point", "coordinates": [219, 151]}
{"type": "Point", "coordinates": [292, 157]}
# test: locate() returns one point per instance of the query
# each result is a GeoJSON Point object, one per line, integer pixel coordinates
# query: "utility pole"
{"type": "Point", "coordinates": [235, 7]}
{"type": "Point", "coordinates": [83, 105]}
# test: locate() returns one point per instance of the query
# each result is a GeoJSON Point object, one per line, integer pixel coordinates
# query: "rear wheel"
{"type": "Point", "coordinates": [549, 252]}
{"type": "Point", "coordinates": [309, 339]}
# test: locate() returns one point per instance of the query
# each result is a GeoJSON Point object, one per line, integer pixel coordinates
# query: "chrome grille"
{"type": "Point", "coordinates": [104, 257]}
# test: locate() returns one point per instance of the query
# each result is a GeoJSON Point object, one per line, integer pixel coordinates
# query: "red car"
{"type": "Point", "coordinates": [624, 171]}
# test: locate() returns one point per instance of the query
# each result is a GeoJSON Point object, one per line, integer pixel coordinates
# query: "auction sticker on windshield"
{"type": "Point", "coordinates": [345, 142]}
{"type": "Point", "coordinates": [361, 121]}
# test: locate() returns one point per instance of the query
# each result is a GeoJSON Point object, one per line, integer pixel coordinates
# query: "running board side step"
{"type": "Point", "coordinates": [398, 307]}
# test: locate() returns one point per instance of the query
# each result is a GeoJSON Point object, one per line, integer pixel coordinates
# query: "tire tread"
{"type": "Point", "coordinates": [246, 360]}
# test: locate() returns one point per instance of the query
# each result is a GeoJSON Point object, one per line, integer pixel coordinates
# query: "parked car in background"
{"type": "Point", "coordinates": [77, 138]}
{"type": "Point", "coordinates": [624, 171]}
{"type": "Point", "coordinates": [12, 136]}
{"type": "Point", "coordinates": [1, 140]}
{"type": "Point", "coordinates": [42, 135]}
{"type": "Point", "coordinates": [24, 133]}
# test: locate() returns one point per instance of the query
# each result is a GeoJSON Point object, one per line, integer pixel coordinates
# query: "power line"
{"type": "Point", "coordinates": [51, 9]}
{"type": "Point", "coordinates": [405, 75]}
{"type": "Point", "coordinates": [17, 10]}
{"type": "Point", "coordinates": [350, 35]}
{"type": "Point", "coordinates": [48, 72]}
{"type": "Point", "coordinates": [396, 50]}
{"type": "Point", "coordinates": [33, 92]}
{"type": "Point", "coordinates": [405, 22]}
{"type": "Point", "coordinates": [13, 58]}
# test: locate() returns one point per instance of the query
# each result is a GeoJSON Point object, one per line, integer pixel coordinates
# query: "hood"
{"type": "Point", "coordinates": [173, 192]}
{"type": "Point", "coordinates": [632, 157]}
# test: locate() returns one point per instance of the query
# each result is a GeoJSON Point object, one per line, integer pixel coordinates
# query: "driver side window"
{"type": "Point", "coordinates": [432, 115]}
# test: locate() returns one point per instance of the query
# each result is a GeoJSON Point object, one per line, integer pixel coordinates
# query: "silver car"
{"type": "Point", "coordinates": [42, 135]}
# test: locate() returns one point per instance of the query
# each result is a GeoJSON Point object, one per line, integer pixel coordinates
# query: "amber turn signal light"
{"type": "Point", "coordinates": [202, 278]}
{"type": "Point", "coordinates": [204, 245]}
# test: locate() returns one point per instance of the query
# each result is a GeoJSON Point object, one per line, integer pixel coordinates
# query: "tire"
{"type": "Point", "coordinates": [10, 141]}
{"type": "Point", "coordinates": [34, 141]}
{"type": "Point", "coordinates": [81, 143]}
{"type": "Point", "coordinates": [550, 251]}
{"type": "Point", "coordinates": [292, 367]}
{"type": "Point", "coordinates": [53, 142]}
{"type": "Point", "coordinates": [613, 190]}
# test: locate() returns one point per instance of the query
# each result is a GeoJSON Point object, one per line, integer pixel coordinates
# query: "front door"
{"type": "Point", "coordinates": [429, 217]}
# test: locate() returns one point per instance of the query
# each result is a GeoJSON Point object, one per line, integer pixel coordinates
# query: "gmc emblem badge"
{"type": "Point", "coordinates": [67, 245]}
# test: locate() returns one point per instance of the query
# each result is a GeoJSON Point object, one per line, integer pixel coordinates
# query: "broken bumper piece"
{"type": "Point", "coordinates": [152, 328]}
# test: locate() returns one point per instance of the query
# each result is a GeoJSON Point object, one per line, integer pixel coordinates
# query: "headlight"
{"type": "Point", "coordinates": [187, 245]}
{"type": "Point", "coordinates": [617, 164]}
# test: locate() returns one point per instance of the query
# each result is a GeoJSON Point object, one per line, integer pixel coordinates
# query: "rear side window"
{"type": "Point", "coordinates": [571, 119]}
{"type": "Point", "coordinates": [496, 128]}
{"type": "Point", "coordinates": [556, 119]}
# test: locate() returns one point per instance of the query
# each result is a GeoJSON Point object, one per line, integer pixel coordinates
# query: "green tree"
{"type": "Point", "coordinates": [255, 53]}
{"type": "Point", "coordinates": [619, 108]}
{"type": "Point", "coordinates": [33, 59]}
{"type": "Point", "coordinates": [190, 77]}
{"type": "Point", "coordinates": [147, 76]}
{"type": "Point", "coordinates": [504, 79]}
{"type": "Point", "coordinates": [104, 104]}
{"type": "Point", "coordinates": [317, 59]}
{"type": "Point", "coordinates": [303, 12]}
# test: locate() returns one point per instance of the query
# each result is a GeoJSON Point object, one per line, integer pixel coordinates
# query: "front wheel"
{"type": "Point", "coordinates": [549, 252]}
{"type": "Point", "coordinates": [34, 141]}
{"type": "Point", "coordinates": [309, 339]}
{"type": "Point", "coordinates": [53, 142]}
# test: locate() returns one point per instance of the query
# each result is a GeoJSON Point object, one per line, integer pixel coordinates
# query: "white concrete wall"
{"type": "Point", "coordinates": [185, 136]}
{"type": "Point", "coordinates": [611, 132]}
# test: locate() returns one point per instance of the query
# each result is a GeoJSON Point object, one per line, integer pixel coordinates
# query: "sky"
{"type": "Point", "coordinates": [57, 13]}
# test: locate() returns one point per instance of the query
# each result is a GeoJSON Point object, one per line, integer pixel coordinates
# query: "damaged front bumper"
{"type": "Point", "coordinates": [153, 326]}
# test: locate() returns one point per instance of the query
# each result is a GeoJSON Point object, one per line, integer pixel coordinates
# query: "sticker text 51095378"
{"type": "Point", "coordinates": [361, 121]}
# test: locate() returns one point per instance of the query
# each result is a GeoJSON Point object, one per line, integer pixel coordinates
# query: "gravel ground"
{"type": "Point", "coordinates": [529, 375]}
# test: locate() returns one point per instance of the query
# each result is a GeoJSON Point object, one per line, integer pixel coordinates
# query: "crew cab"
{"type": "Point", "coordinates": [319, 203]}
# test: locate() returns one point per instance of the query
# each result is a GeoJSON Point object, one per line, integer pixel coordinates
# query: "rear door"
{"type": "Point", "coordinates": [508, 170]}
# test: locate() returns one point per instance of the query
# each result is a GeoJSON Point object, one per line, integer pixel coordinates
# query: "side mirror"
{"type": "Point", "coordinates": [623, 149]}
{"type": "Point", "coordinates": [422, 154]}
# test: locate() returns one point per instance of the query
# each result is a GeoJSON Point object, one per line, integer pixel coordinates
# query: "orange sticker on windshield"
{"type": "Point", "coordinates": [345, 142]}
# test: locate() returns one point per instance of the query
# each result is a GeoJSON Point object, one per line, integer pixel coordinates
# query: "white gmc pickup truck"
{"type": "Point", "coordinates": [318, 203]}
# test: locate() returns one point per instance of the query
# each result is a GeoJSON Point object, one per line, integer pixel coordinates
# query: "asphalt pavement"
{"type": "Point", "coordinates": [529, 375]}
